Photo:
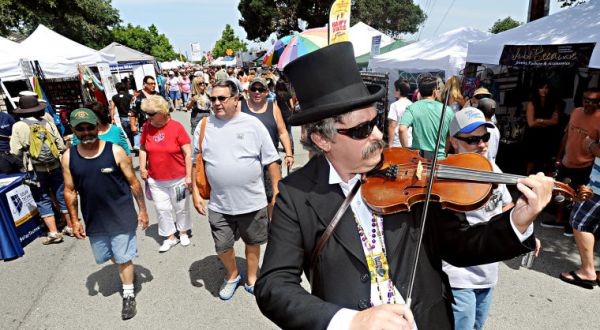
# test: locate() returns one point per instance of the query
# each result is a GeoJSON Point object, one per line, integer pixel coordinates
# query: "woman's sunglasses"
{"type": "Point", "coordinates": [360, 131]}
{"type": "Point", "coordinates": [474, 140]}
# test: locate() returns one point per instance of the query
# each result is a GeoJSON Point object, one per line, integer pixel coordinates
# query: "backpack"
{"type": "Point", "coordinates": [42, 148]}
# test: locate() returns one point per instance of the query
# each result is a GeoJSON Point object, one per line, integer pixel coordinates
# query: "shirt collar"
{"type": "Point", "coordinates": [334, 177]}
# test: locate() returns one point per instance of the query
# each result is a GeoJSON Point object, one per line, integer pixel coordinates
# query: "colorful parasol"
{"type": "Point", "coordinates": [273, 54]}
{"type": "Point", "coordinates": [302, 44]}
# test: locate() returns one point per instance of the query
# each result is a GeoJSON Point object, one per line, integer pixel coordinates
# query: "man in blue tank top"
{"type": "Point", "coordinates": [103, 176]}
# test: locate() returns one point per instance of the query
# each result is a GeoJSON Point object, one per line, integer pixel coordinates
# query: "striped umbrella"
{"type": "Point", "coordinates": [273, 54]}
{"type": "Point", "coordinates": [302, 44]}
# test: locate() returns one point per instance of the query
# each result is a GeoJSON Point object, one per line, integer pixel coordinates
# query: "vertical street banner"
{"type": "Point", "coordinates": [339, 21]}
{"type": "Point", "coordinates": [375, 45]}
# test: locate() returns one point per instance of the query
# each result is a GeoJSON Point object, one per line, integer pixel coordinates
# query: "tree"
{"type": "Point", "coordinates": [148, 41]}
{"type": "Point", "coordinates": [569, 3]}
{"type": "Point", "coordinates": [85, 21]}
{"type": "Point", "coordinates": [502, 25]}
{"type": "Point", "coordinates": [228, 41]}
{"type": "Point", "coordinates": [260, 18]}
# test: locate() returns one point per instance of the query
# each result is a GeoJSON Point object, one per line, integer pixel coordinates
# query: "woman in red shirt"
{"type": "Point", "coordinates": [166, 164]}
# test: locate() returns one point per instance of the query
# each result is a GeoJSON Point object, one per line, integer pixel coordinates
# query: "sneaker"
{"type": "Point", "coordinates": [184, 240]}
{"type": "Point", "coordinates": [128, 311]}
{"type": "Point", "coordinates": [168, 244]}
{"type": "Point", "coordinates": [228, 287]}
{"type": "Point", "coordinates": [68, 231]}
{"type": "Point", "coordinates": [249, 288]}
{"type": "Point", "coordinates": [53, 239]}
{"type": "Point", "coordinates": [568, 231]}
{"type": "Point", "coordinates": [552, 224]}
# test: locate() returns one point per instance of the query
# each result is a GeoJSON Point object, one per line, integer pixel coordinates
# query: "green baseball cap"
{"type": "Point", "coordinates": [83, 115]}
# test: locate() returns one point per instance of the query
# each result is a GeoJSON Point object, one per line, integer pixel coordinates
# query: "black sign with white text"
{"type": "Point", "coordinates": [548, 56]}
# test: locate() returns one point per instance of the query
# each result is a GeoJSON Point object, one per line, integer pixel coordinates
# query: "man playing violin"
{"type": "Point", "coordinates": [359, 280]}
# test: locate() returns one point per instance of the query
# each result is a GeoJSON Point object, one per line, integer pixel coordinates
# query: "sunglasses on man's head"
{"type": "Point", "coordinates": [474, 140]}
{"type": "Point", "coordinates": [258, 89]}
{"type": "Point", "coordinates": [360, 131]}
{"type": "Point", "coordinates": [221, 99]}
{"type": "Point", "coordinates": [85, 128]}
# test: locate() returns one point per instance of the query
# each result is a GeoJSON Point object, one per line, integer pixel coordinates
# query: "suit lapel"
{"type": "Point", "coordinates": [325, 199]}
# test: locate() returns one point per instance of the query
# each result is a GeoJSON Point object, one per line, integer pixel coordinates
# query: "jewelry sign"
{"type": "Point", "coordinates": [548, 56]}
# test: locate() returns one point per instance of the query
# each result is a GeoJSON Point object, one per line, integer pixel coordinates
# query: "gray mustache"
{"type": "Point", "coordinates": [372, 148]}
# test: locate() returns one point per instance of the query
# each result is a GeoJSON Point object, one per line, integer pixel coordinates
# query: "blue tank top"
{"type": "Point", "coordinates": [106, 199]}
{"type": "Point", "coordinates": [267, 118]}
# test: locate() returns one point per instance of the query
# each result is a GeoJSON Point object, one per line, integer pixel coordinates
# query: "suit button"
{"type": "Point", "coordinates": [363, 304]}
{"type": "Point", "coordinates": [365, 278]}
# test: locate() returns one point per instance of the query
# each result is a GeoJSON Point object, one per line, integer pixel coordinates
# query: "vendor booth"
{"type": "Point", "coordinates": [20, 222]}
{"type": "Point", "coordinates": [131, 63]}
{"type": "Point", "coordinates": [561, 49]}
{"type": "Point", "coordinates": [443, 56]}
{"type": "Point", "coordinates": [361, 36]}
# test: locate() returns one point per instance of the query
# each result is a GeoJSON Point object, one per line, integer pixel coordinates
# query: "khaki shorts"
{"type": "Point", "coordinates": [252, 227]}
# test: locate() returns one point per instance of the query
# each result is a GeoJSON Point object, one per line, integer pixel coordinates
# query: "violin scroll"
{"type": "Point", "coordinates": [562, 192]}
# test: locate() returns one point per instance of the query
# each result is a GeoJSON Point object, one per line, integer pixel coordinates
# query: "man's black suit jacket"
{"type": "Point", "coordinates": [307, 203]}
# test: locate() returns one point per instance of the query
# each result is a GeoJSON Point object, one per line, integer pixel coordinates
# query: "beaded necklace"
{"type": "Point", "coordinates": [381, 265]}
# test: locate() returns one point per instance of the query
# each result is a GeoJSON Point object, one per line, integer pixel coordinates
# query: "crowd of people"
{"type": "Point", "coordinates": [238, 119]}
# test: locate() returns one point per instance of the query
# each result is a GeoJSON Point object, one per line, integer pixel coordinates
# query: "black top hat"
{"type": "Point", "coordinates": [29, 104]}
{"type": "Point", "coordinates": [327, 83]}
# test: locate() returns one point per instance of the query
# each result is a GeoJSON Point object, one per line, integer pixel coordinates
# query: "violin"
{"type": "Point", "coordinates": [462, 182]}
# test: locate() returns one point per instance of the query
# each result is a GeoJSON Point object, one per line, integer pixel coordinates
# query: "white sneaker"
{"type": "Point", "coordinates": [168, 244]}
{"type": "Point", "coordinates": [184, 239]}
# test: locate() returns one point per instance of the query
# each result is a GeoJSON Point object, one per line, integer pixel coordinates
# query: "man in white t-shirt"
{"type": "Point", "coordinates": [235, 148]}
{"type": "Point", "coordinates": [395, 114]}
{"type": "Point", "coordinates": [472, 286]}
{"type": "Point", "coordinates": [488, 108]}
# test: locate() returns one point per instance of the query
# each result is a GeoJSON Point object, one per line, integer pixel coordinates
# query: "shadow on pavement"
{"type": "Point", "coordinates": [106, 281]}
{"type": "Point", "coordinates": [209, 273]}
{"type": "Point", "coordinates": [152, 231]}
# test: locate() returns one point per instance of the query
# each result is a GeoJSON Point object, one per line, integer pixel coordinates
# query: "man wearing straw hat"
{"type": "Point", "coordinates": [360, 276]}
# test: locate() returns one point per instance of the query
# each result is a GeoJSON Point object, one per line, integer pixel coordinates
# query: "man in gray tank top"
{"type": "Point", "coordinates": [103, 176]}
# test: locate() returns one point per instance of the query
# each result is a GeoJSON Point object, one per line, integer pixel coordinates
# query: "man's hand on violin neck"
{"type": "Point", "coordinates": [384, 317]}
{"type": "Point", "coordinates": [537, 191]}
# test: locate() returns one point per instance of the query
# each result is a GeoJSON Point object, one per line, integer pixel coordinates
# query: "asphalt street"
{"type": "Point", "coordinates": [61, 287]}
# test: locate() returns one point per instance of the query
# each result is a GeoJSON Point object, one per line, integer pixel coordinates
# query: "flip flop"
{"type": "Point", "coordinates": [576, 280]}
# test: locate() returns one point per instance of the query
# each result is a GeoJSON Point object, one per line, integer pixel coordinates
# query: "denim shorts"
{"type": "Point", "coordinates": [120, 247]}
{"type": "Point", "coordinates": [174, 95]}
{"type": "Point", "coordinates": [49, 181]}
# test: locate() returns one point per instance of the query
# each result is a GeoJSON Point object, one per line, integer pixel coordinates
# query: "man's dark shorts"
{"type": "Point", "coordinates": [252, 227]}
{"type": "Point", "coordinates": [585, 216]}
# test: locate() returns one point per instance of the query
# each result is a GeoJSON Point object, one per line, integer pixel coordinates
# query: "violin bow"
{"type": "Point", "coordinates": [413, 274]}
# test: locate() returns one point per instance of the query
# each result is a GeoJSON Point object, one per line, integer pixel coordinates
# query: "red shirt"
{"type": "Point", "coordinates": [163, 146]}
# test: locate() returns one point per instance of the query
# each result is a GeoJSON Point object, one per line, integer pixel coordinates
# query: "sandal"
{"type": "Point", "coordinates": [576, 280]}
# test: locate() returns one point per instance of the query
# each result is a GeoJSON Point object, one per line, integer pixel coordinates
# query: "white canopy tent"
{"type": "Point", "coordinates": [125, 54]}
{"type": "Point", "coordinates": [446, 52]}
{"type": "Point", "coordinates": [580, 24]}
{"type": "Point", "coordinates": [361, 36]}
{"type": "Point", "coordinates": [169, 65]}
{"type": "Point", "coordinates": [14, 66]}
{"type": "Point", "coordinates": [44, 40]}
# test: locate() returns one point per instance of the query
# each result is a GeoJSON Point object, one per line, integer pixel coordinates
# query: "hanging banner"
{"type": "Point", "coordinates": [339, 21]}
{"type": "Point", "coordinates": [375, 45]}
{"type": "Point", "coordinates": [107, 80]}
{"type": "Point", "coordinates": [548, 56]}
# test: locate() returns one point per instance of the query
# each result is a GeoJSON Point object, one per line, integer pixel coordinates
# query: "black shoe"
{"type": "Point", "coordinates": [128, 310]}
{"type": "Point", "coordinates": [568, 231]}
{"type": "Point", "coordinates": [552, 224]}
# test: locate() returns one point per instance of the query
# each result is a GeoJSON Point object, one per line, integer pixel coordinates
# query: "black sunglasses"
{"type": "Point", "coordinates": [85, 128]}
{"type": "Point", "coordinates": [258, 89]}
{"type": "Point", "coordinates": [151, 114]}
{"type": "Point", "coordinates": [591, 101]}
{"type": "Point", "coordinates": [360, 131]}
{"type": "Point", "coordinates": [221, 99]}
{"type": "Point", "coordinates": [473, 140]}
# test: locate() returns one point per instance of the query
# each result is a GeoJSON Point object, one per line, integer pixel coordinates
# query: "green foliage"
{"type": "Point", "coordinates": [85, 21]}
{"type": "Point", "coordinates": [228, 41]}
{"type": "Point", "coordinates": [569, 3]}
{"type": "Point", "coordinates": [148, 41]}
{"type": "Point", "coordinates": [505, 24]}
{"type": "Point", "coordinates": [260, 18]}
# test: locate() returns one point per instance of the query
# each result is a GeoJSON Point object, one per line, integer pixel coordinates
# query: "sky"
{"type": "Point", "coordinates": [202, 21]}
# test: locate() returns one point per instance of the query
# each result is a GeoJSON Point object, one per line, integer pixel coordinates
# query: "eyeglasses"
{"type": "Point", "coordinates": [591, 101]}
{"type": "Point", "coordinates": [474, 140]}
{"type": "Point", "coordinates": [360, 131]}
{"type": "Point", "coordinates": [258, 89]}
{"type": "Point", "coordinates": [221, 99]}
{"type": "Point", "coordinates": [89, 128]}
{"type": "Point", "coordinates": [151, 114]}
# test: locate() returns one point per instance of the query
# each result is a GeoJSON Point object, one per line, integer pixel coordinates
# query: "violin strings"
{"type": "Point", "coordinates": [452, 172]}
